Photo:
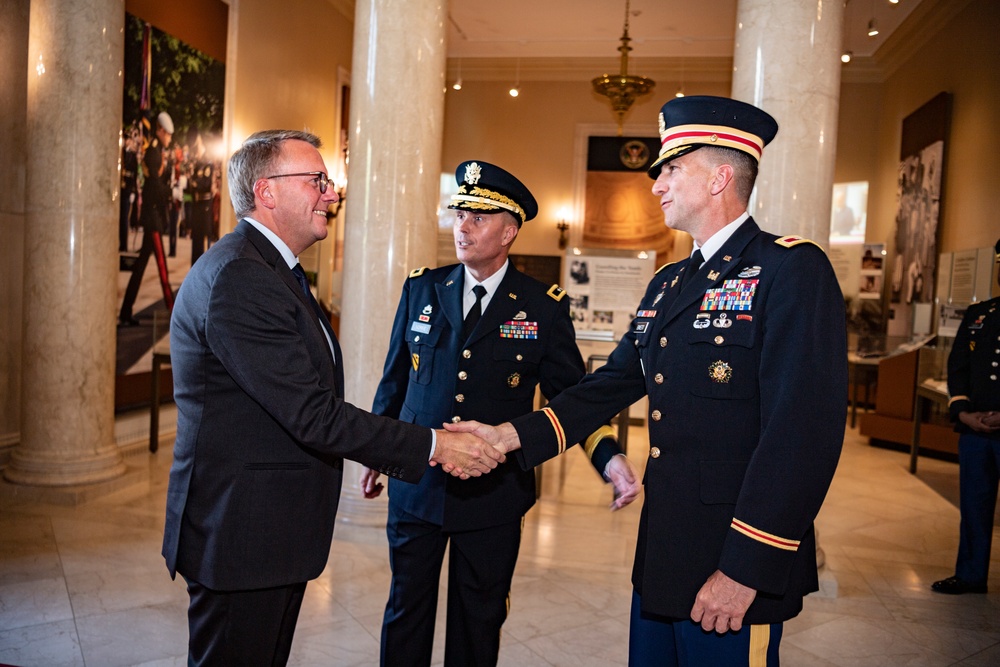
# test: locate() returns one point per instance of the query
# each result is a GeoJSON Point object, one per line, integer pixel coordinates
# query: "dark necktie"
{"type": "Point", "coordinates": [300, 275]}
{"type": "Point", "coordinates": [697, 259]}
{"type": "Point", "coordinates": [475, 312]}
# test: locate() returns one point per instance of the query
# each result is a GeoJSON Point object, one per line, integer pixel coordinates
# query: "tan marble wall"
{"type": "Point", "coordinates": [75, 65]}
{"type": "Point", "coordinates": [787, 61]}
{"type": "Point", "coordinates": [13, 73]}
{"type": "Point", "coordinates": [396, 120]}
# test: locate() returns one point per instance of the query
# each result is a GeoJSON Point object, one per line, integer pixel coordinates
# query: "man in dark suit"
{"type": "Point", "coordinates": [742, 352]}
{"type": "Point", "coordinates": [262, 426]}
{"type": "Point", "coordinates": [472, 341]}
{"type": "Point", "coordinates": [974, 387]}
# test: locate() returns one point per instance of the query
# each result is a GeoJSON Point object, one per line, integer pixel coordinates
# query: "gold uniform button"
{"type": "Point", "coordinates": [460, 398]}
{"type": "Point", "coordinates": [663, 342]}
{"type": "Point", "coordinates": [462, 375]}
{"type": "Point", "coordinates": [654, 452]}
{"type": "Point", "coordinates": [466, 354]}
{"type": "Point", "coordinates": [658, 378]}
{"type": "Point", "coordinates": [995, 364]}
{"type": "Point", "coordinates": [656, 415]}
{"type": "Point", "coordinates": [719, 340]}
{"type": "Point", "coordinates": [993, 377]}
{"type": "Point", "coordinates": [456, 419]}
{"type": "Point", "coordinates": [519, 357]}
{"type": "Point", "coordinates": [636, 341]}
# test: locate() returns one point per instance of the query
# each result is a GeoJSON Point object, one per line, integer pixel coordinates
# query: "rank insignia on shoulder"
{"type": "Point", "coordinates": [663, 267]}
{"type": "Point", "coordinates": [790, 241]}
{"type": "Point", "coordinates": [416, 273]}
{"type": "Point", "coordinates": [556, 292]}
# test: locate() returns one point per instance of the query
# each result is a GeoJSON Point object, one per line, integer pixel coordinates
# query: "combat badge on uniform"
{"type": "Point", "coordinates": [521, 315]}
{"type": "Point", "coordinates": [722, 321]}
{"type": "Point", "coordinates": [749, 272]}
{"type": "Point", "coordinates": [702, 320]}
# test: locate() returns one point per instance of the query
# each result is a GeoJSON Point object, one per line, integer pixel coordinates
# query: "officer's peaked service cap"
{"type": "Point", "coordinates": [487, 188]}
{"type": "Point", "coordinates": [688, 123]}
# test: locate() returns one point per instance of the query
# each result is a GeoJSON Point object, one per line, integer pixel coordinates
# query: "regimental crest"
{"type": "Point", "coordinates": [662, 124]}
{"type": "Point", "coordinates": [472, 173]}
{"type": "Point", "coordinates": [720, 372]}
{"type": "Point", "coordinates": [514, 380]}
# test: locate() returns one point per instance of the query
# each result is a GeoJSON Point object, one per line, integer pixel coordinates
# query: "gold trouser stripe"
{"type": "Point", "coordinates": [760, 638]}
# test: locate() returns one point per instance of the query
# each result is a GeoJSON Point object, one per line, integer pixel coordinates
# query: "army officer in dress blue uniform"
{"type": "Point", "coordinates": [974, 387]}
{"type": "Point", "coordinates": [742, 352]}
{"type": "Point", "coordinates": [472, 341]}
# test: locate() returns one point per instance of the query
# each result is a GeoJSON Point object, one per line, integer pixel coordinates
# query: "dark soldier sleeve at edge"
{"type": "Point", "coordinates": [391, 390]}
{"type": "Point", "coordinates": [959, 368]}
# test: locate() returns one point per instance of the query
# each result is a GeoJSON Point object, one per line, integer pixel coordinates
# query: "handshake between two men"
{"type": "Point", "coordinates": [471, 449]}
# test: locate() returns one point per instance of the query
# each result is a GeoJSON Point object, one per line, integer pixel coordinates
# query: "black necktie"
{"type": "Point", "coordinates": [300, 275]}
{"type": "Point", "coordinates": [472, 318]}
{"type": "Point", "coordinates": [697, 259]}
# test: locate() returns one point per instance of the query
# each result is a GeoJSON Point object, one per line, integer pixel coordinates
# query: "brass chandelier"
{"type": "Point", "coordinates": [623, 88]}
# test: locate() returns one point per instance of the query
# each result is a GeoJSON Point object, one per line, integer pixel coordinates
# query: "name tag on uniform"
{"type": "Point", "coordinates": [420, 327]}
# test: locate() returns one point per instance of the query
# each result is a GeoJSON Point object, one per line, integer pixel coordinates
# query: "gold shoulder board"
{"type": "Point", "coordinates": [789, 241]}
{"type": "Point", "coordinates": [663, 267]}
{"type": "Point", "coordinates": [416, 273]}
{"type": "Point", "coordinates": [556, 292]}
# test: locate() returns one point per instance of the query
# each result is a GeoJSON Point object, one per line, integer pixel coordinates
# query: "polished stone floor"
{"type": "Point", "coordinates": [86, 585]}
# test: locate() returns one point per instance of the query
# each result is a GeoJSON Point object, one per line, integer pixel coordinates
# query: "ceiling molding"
{"type": "Point", "coordinates": [926, 21]}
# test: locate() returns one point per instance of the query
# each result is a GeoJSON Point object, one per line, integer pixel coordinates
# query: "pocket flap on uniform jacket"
{"type": "Point", "coordinates": [721, 481]}
{"type": "Point", "coordinates": [421, 338]}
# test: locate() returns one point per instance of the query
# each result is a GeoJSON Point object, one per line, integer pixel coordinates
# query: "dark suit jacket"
{"type": "Point", "coordinates": [262, 425]}
{"type": "Point", "coordinates": [746, 373]}
{"type": "Point", "coordinates": [431, 375]}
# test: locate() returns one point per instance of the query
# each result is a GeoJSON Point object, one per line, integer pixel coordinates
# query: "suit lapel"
{"type": "Point", "coordinates": [274, 259]}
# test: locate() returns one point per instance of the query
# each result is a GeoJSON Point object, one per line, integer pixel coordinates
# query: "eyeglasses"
{"type": "Point", "coordinates": [321, 179]}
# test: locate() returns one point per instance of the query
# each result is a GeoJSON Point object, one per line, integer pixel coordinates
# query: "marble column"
{"type": "Point", "coordinates": [75, 60]}
{"type": "Point", "coordinates": [397, 114]}
{"type": "Point", "coordinates": [13, 83]}
{"type": "Point", "coordinates": [787, 62]}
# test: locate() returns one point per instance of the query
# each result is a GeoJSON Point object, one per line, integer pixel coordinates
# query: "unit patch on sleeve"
{"type": "Point", "coordinates": [733, 295]}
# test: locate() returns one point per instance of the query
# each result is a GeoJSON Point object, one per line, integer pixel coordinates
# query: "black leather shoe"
{"type": "Point", "coordinates": [956, 586]}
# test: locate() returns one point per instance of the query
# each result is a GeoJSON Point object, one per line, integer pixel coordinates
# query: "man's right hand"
{"type": "Point", "coordinates": [504, 437]}
{"type": "Point", "coordinates": [465, 454]}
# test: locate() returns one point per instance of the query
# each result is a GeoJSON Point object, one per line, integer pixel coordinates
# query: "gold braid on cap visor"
{"type": "Point", "coordinates": [483, 199]}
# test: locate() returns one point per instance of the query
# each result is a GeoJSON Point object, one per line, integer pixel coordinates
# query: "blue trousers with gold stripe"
{"type": "Point", "coordinates": [658, 642]}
